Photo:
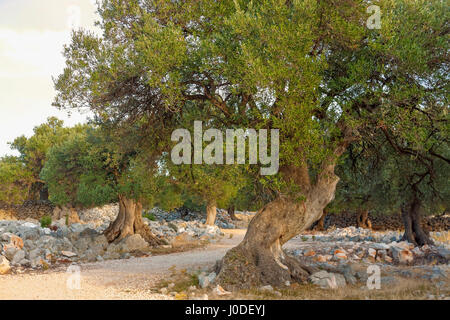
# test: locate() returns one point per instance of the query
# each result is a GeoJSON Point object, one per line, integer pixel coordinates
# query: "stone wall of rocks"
{"type": "Point", "coordinates": [28, 210]}
{"type": "Point", "coordinates": [25, 244]}
{"type": "Point", "coordinates": [223, 219]}
{"type": "Point", "coordinates": [343, 255]}
{"type": "Point", "coordinates": [382, 222]}
{"type": "Point", "coordinates": [100, 216]}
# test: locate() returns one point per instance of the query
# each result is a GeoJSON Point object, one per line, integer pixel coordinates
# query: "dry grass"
{"type": "Point", "coordinates": [407, 289]}
{"type": "Point", "coordinates": [444, 237]}
{"type": "Point", "coordinates": [162, 251]}
{"type": "Point", "coordinates": [181, 280]}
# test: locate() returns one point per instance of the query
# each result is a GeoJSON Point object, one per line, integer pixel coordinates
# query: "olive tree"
{"type": "Point", "coordinates": [311, 69]}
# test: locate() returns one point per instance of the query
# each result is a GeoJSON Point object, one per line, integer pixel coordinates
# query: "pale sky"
{"type": "Point", "coordinates": [32, 35]}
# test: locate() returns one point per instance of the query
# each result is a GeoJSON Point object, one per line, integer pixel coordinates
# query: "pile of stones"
{"type": "Point", "coordinates": [25, 244]}
{"type": "Point", "coordinates": [386, 222]}
{"type": "Point", "coordinates": [29, 209]}
{"type": "Point", "coordinates": [343, 256]}
{"type": "Point", "coordinates": [223, 219]}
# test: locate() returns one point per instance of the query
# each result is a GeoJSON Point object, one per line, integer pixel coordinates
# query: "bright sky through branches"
{"type": "Point", "coordinates": [32, 35]}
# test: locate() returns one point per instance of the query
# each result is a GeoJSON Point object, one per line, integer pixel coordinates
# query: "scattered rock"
{"type": "Point", "coordinates": [4, 265]}
{"type": "Point", "coordinates": [267, 288]}
{"type": "Point", "coordinates": [220, 291]}
{"type": "Point", "coordinates": [9, 252]}
{"type": "Point", "coordinates": [310, 253]}
{"type": "Point", "coordinates": [18, 257]}
{"type": "Point", "coordinates": [134, 242]}
{"type": "Point", "coordinates": [372, 252]}
{"type": "Point", "coordinates": [68, 254]}
{"type": "Point", "coordinates": [328, 280]}
{"type": "Point", "coordinates": [402, 256]}
{"type": "Point", "coordinates": [445, 253]}
{"type": "Point", "coordinates": [205, 281]}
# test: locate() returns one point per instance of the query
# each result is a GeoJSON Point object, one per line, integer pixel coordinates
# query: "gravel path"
{"type": "Point", "coordinates": [114, 279]}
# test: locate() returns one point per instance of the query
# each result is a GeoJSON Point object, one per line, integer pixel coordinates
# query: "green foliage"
{"type": "Point", "coordinates": [46, 221]}
{"type": "Point", "coordinates": [383, 179]}
{"type": "Point", "coordinates": [33, 153]}
{"type": "Point", "coordinates": [92, 168]}
{"type": "Point", "coordinates": [15, 180]}
{"type": "Point", "coordinates": [150, 216]}
{"type": "Point", "coordinates": [33, 150]}
{"type": "Point", "coordinates": [214, 184]}
{"type": "Point", "coordinates": [75, 173]}
{"type": "Point", "coordinates": [309, 68]}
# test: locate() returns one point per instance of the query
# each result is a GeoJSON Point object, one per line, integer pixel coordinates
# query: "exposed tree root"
{"type": "Point", "coordinates": [241, 269]}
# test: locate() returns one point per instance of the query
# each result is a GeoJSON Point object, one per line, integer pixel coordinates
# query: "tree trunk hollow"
{"type": "Point", "coordinates": [362, 219]}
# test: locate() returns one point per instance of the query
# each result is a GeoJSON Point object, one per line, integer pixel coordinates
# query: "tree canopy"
{"type": "Point", "coordinates": [311, 69]}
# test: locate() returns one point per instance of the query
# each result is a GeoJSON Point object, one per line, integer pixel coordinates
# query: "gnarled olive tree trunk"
{"type": "Point", "coordinates": [232, 213]}
{"type": "Point", "coordinates": [259, 258]}
{"type": "Point", "coordinates": [320, 226]}
{"type": "Point", "coordinates": [414, 233]}
{"type": "Point", "coordinates": [362, 219]}
{"type": "Point", "coordinates": [128, 222]}
{"type": "Point", "coordinates": [211, 212]}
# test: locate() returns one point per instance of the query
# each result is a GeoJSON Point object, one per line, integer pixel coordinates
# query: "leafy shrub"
{"type": "Point", "coordinates": [46, 221]}
{"type": "Point", "coordinates": [150, 216]}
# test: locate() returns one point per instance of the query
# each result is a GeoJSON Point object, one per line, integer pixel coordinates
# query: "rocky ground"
{"type": "Point", "coordinates": [345, 254]}
{"type": "Point", "coordinates": [188, 275]}
{"type": "Point", "coordinates": [344, 259]}
{"type": "Point", "coordinates": [26, 245]}
{"type": "Point", "coordinates": [133, 278]}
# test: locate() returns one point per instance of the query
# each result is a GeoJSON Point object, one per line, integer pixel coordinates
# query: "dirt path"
{"type": "Point", "coordinates": [114, 279]}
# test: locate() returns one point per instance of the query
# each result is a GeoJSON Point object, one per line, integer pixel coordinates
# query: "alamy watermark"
{"type": "Point", "coordinates": [374, 21]}
{"type": "Point", "coordinates": [374, 280]}
{"type": "Point", "coordinates": [74, 279]}
{"type": "Point", "coordinates": [213, 153]}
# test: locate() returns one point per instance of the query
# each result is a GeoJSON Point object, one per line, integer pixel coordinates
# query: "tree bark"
{"type": "Point", "coordinates": [43, 194]}
{"type": "Point", "coordinates": [232, 213]}
{"type": "Point", "coordinates": [411, 216]}
{"type": "Point", "coordinates": [128, 222]}
{"type": "Point", "coordinates": [259, 258]}
{"type": "Point", "coordinates": [211, 212]}
{"type": "Point", "coordinates": [320, 226]}
{"type": "Point", "coordinates": [362, 219]}
{"type": "Point", "coordinates": [38, 191]}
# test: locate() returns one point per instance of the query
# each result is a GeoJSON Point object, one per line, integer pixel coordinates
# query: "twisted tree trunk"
{"type": "Point", "coordinates": [320, 226]}
{"type": "Point", "coordinates": [128, 222]}
{"type": "Point", "coordinates": [259, 258]}
{"type": "Point", "coordinates": [414, 233]}
{"type": "Point", "coordinates": [362, 219]}
{"type": "Point", "coordinates": [232, 213]}
{"type": "Point", "coordinates": [211, 212]}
